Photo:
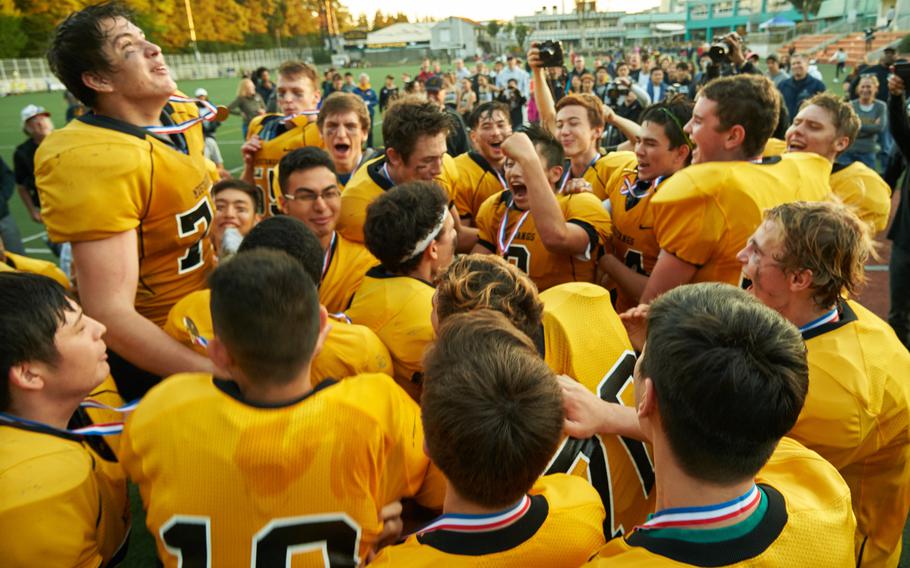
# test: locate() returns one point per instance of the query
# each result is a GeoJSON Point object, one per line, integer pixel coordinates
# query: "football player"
{"type": "Point", "coordinates": [552, 236]}
{"type": "Point", "coordinates": [271, 136]}
{"type": "Point", "coordinates": [127, 184]}
{"type": "Point", "coordinates": [492, 412]}
{"type": "Point", "coordinates": [257, 465]}
{"type": "Point", "coordinates": [10, 261]}
{"type": "Point", "coordinates": [721, 380]}
{"type": "Point", "coordinates": [309, 189]}
{"type": "Point", "coordinates": [63, 498]}
{"type": "Point", "coordinates": [663, 148]}
{"type": "Point", "coordinates": [827, 126]}
{"type": "Point", "coordinates": [414, 132]}
{"type": "Point", "coordinates": [235, 207]}
{"type": "Point", "coordinates": [704, 213]}
{"type": "Point", "coordinates": [349, 350]}
{"type": "Point", "coordinates": [577, 333]}
{"type": "Point", "coordinates": [344, 124]}
{"type": "Point", "coordinates": [411, 231]}
{"type": "Point", "coordinates": [801, 261]}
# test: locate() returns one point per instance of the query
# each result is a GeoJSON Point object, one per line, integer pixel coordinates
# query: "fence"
{"type": "Point", "coordinates": [30, 75]}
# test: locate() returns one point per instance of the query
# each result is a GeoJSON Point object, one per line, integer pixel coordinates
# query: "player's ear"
{"type": "Point", "coordinates": [554, 174]}
{"type": "Point", "coordinates": [841, 144]}
{"type": "Point", "coordinates": [27, 376]}
{"type": "Point", "coordinates": [647, 400]}
{"type": "Point", "coordinates": [393, 157]}
{"type": "Point", "coordinates": [800, 280]}
{"type": "Point", "coordinates": [218, 353]}
{"type": "Point", "coordinates": [324, 328]}
{"type": "Point", "coordinates": [735, 137]}
{"type": "Point", "coordinates": [97, 82]}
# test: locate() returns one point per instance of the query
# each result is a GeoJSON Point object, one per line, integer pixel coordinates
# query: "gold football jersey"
{"type": "Point", "coordinates": [561, 527]}
{"type": "Point", "coordinates": [369, 182]}
{"type": "Point", "coordinates": [862, 188]}
{"type": "Point", "coordinates": [36, 266]}
{"type": "Point", "coordinates": [857, 416]}
{"type": "Point", "coordinates": [226, 482]}
{"type": "Point", "coordinates": [527, 251]}
{"type": "Point", "coordinates": [705, 213]}
{"type": "Point", "coordinates": [398, 310]}
{"type": "Point", "coordinates": [348, 263]}
{"type": "Point", "coordinates": [476, 181]}
{"type": "Point", "coordinates": [774, 147]}
{"type": "Point", "coordinates": [348, 350]}
{"type": "Point", "coordinates": [61, 504]}
{"type": "Point", "coordinates": [808, 522]}
{"type": "Point", "coordinates": [607, 172]}
{"type": "Point", "coordinates": [99, 177]}
{"type": "Point", "coordinates": [585, 339]}
{"type": "Point", "coordinates": [278, 138]}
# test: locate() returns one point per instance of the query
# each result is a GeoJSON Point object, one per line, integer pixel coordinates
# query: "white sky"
{"type": "Point", "coordinates": [481, 10]}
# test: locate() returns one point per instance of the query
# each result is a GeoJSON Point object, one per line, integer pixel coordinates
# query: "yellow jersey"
{"type": "Point", "coordinates": [348, 350]}
{"type": "Point", "coordinates": [774, 147]}
{"type": "Point", "coordinates": [369, 182]}
{"type": "Point", "coordinates": [226, 482]}
{"type": "Point", "coordinates": [806, 521]}
{"type": "Point", "coordinates": [61, 504]}
{"type": "Point", "coordinates": [705, 213]}
{"type": "Point", "coordinates": [561, 526]}
{"type": "Point", "coordinates": [634, 242]}
{"type": "Point", "coordinates": [860, 187]}
{"type": "Point", "coordinates": [528, 252]}
{"type": "Point", "coordinates": [606, 172]}
{"type": "Point", "coordinates": [347, 263]}
{"type": "Point", "coordinates": [584, 338]}
{"type": "Point", "coordinates": [476, 181]}
{"type": "Point", "coordinates": [278, 138]}
{"type": "Point", "coordinates": [35, 266]}
{"type": "Point", "coordinates": [398, 309]}
{"type": "Point", "coordinates": [857, 416]}
{"type": "Point", "coordinates": [99, 177]}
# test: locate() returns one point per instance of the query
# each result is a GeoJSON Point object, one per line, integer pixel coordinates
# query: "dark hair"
{"type": "Point", "coordinates": [751, 101]}
{"type": "Point", "coordinates": [32, 309]}
{"type": "Point", "coordinates": [341, 102]}
{"type": "Point", "coordinates": [302, 159]}
{"type": "Point", "coordinates": [77, 47]}
{"type": "Point", "coordinates": [491, 408]}
{"type": "Point", "coordinates": [288, 235]}
{"type": "Point", "coordinates": [398, 219]}
{"type": "Point", "coordinates": [730, 375]}
{"type": "Point", "coordinates": [672, 113]}
{"type": "Point", "coordinates": [251, 190]}
{"type": "Point", "coordinates": [265, 309]}
{"type": "Point", "coordinates": [546, 144]}
{"type": "Point", "coordinates": [409, 118]}
{"type": "Point", "coordinates": [486, 110]}
{"type": "Point", "coordinates": [773, 58]}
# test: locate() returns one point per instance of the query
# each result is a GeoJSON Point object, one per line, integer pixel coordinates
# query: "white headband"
{"type": "Point", "coordinates": [425, 242]}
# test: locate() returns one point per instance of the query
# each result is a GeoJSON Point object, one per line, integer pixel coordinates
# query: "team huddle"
{"type": "Point", "coordinates": [534, 353]}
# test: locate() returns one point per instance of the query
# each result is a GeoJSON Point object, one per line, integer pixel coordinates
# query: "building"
{"type": "Point", "coordinates": [456, 36]}
{"type": "Point", "coordinates": [584, 29]}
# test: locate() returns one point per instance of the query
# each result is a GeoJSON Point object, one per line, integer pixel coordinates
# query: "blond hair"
{"type": "Point", "coordinates": [844, 118]}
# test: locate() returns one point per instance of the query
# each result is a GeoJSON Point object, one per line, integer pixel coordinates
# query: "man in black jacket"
{"type": "Point", "coordinates": [899, 269]}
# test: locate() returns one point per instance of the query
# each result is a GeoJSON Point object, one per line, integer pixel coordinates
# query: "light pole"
{"type": "Point", "coordinates": [189, 21]}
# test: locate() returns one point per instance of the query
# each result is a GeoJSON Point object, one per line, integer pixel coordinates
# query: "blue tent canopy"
{"type": "Point", "coordinates": [778, 22]}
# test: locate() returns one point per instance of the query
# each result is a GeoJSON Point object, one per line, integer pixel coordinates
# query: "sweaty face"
{"type": "Point", "coordinates": [769, 282]}
{"type": "Point", "coordinates": [491, 130]}
{"type": "Point", "coordinates": [296, 94]}
{"type": "Point", "coordinates": [573, 129]}
{"type": "Point", "coordinates": [703, 131]}
{"type": "Point", "coordinates": [139, 71]}
{"type": "Point", "coordinates": [425, 161]}
{"type": "Point", "coordinates": [655, 158]}
{"type": "Point", "coordinates": [344, 136]}
{"type": "Point", "coordinates": [316, 199]}
{"type": "Point", "coordinates": [233, 208]}
{"type": "Point", "coordinates": [813, 131]}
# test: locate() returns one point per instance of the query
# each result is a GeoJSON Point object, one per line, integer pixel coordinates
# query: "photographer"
{"type": "Point", "coordinates": [512, 97]}
{"type": "Point", "coordinates": [727, 59]}
{"type": "Point", "coordinates": [899, 269]}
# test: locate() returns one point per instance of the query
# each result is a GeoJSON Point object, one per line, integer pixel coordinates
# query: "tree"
{"type": "Point", "coordinates": [521, 34]}
{"type": "Point", "coordinates": [379, 21]}
{"type": "Point", "coordinates": [14, 39]}
{"type": "Point", "coordinates": [493, 27]}
{"type": "Point", "coordinates": [401, 18]}
{"type": "Point", "coordinates": [362, 22]}
{"type": "Point", "coordinates": [808, 8]}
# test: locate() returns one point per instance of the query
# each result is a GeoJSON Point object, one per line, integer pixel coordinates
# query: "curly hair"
{"type": "Point", "coordinates": [751, 101]}
{"type": "Point", "coordinates": [409, 118]}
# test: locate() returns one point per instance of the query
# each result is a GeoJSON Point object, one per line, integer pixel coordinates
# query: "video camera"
{"type": "Point", "coordinates": [616, 89]}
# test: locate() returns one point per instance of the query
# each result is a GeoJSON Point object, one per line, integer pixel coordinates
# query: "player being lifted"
{"type": "Point", "coordinates": [492, 413]}
{"type": "Point", "coordinates": [827, 126]}
{"type": "Point", "coordinates": [802, 261]}
{"type": "Point", "coordinates": [274, 467]}
{"type": "Point", "coordinates": [271, 136]}
{"type": "Point", "coordinates": [704, 213]}
{"type": "Point", "coordinates": [127, 185]}
{"type": "Point", "coordinates": [721, 380]}
{"type": "Point", "coordinates": [577, 333]}
{"type": "Point", "coordinates": [551, 236]}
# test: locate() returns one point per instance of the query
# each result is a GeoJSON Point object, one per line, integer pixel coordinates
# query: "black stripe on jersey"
{"type": "Point", "coordinates": [845, 315]}
{"type": "Point", "coordinates": [231, 389]}
{"type": "Point", "coordinates": [593, 238]}
{"type": "Point", "coordinates": [374, 170]}
{"type": "Point", "coordinates": [837, 167]}
{"type": "Point", "coordinates": [490, 542]}
{"type": "Point", "coordinates": [380, 271]}
{"type": "Point", "coordinates": [487, 245]}
{"type": "Point", "coordinates": [481, 161]}
{"type": "Point", "coordinates": [726, 552]}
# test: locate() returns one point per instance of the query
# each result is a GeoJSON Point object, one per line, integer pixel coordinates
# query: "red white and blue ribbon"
{"type": "Point", "coordinates": [291, 117]}
{"type": "Point", "coordinates": [106, 429]}
{"type": "Point", "coordinates": [628, 188]}
{"type": "Point", "coordinates": [479, 523]}
{"type": "Point", "coordinates": [503, 244]}
{"type": "Point", "coordinates": [829, 317]}
{"type": "Point", "coordinates": [327, 259]}
{"type": "Point", "coordinates": [681, 517]}
{"type": "Point", "coordinates": [126, 408]}
{"type": "Point", "coordinates": [208, 112]}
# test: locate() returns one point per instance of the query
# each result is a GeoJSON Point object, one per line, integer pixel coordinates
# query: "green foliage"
{"type": "Point", "coordinates": [14, 39]}
{"type": "Point", "coordinates": [904, 45]}
{"type": "Point", "coordinates": [808, 8]}
{"type": "Point", "coordinates": [493, 27]}
{"type": "Point", "coordinates": [521, 34]}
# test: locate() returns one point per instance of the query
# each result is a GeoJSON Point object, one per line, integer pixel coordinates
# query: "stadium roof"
{"type": "Point", "coordinates": [400, 35]}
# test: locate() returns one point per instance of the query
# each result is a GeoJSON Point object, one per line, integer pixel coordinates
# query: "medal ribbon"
{"type": "Point", "coordinates": [628, 188]}
{"type": "Point", "coordinates": [291, 117]}
{"type": "Point", "coordinates": [106, 429]}
{"type": "Point", "coordinates": [479, 523]}
{"type": "Point", "coordinates": [829, 317]}
{"type": "Point", "coordinates": [681, 517]}
{"type": "Point", "coordinates": [502, 245]}
{"type": "Point", "coordinates": [208, 112]}
{"type": "Point", "coordinates": [327, 259]}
